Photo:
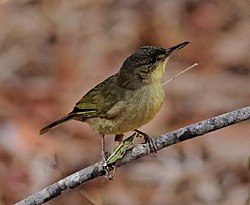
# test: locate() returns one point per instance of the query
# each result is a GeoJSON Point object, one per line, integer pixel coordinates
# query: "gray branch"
{"type": "Point", "coordinates": [136, 152]}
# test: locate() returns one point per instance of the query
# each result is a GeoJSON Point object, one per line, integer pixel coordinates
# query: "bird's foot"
{"type": "Point", "coordinates": [105, 164]}
{"type": "Point", "coordinates": [150, 142]}
{"type": "Point", "coordinates": [109, 168]}
{"type": "Point", "coordinates": [110, 171]}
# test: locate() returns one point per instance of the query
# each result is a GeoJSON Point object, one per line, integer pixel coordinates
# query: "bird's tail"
{"type": "Point", "coordinates": [53, 124]}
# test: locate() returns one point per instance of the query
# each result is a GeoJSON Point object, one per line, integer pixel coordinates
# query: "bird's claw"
{"type": "Point", "coordinates": [104, 163]}
{"type": "Point", "coordinates": [109, 169]}
{"type": "Point", "coordinates": [150, 142]}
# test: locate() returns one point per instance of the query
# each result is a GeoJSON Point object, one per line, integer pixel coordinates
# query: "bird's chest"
{"type": "Point", "coordinates": [151, 99]}
{"type": "Point", "coordinates": [140, 108]}
{"type": "Point", "coordinates": [136, 109]}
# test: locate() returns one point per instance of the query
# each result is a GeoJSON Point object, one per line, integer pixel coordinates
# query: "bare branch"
{"type": "Point", "coordinates": [136, 152]}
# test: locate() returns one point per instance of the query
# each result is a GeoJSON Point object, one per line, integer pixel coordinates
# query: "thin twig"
{"type": "Point", "coordinates": [136, 152]}
{"type": "Point", "coordinates": [180, 73]}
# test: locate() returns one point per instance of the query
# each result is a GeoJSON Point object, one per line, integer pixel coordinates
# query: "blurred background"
{"type": "Point", "coordinates": [53, 52]}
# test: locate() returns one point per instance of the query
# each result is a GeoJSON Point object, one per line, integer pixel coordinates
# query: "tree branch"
{"type": "Point", "coordinates": [136, 152]}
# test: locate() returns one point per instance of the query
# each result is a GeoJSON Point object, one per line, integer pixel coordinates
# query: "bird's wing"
{"type": "Point", "coordinates": [100, 99]}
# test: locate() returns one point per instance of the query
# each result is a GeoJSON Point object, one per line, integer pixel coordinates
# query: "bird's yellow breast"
{"type": "Point", "coordinates": [138, 108]}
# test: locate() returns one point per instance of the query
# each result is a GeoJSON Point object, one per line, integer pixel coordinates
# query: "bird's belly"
{"type": "Point", "coordinates": [134, 114]}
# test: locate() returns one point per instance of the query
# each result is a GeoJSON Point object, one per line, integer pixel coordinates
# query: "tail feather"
{"type": "Point", "coordinates": [53, 124]}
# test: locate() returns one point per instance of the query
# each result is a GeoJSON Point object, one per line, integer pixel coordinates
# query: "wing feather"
{"type": "Point", "coordinates": [99, 100]}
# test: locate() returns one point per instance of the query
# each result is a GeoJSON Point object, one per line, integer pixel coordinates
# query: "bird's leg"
{"type": "Point", "coordinates": [103, 154]}
{"type": "Point", "coordinates": [149, 140]}
{"type": "Point", "coordinates": [118, 139]}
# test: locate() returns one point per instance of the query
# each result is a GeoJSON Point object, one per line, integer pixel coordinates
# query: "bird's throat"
{"type": "Point", "coordinates": [159, 71]}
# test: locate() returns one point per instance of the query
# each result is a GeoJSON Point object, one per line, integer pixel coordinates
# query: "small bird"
{"type": "Point", "coordinates": [126, 100]}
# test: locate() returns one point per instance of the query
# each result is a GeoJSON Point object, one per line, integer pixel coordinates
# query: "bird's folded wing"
{"type": "Point", "coordinates": [99, 100]}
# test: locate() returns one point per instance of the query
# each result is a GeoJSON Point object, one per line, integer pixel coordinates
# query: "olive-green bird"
{"type": "Point", "coordinates": [128, 99]}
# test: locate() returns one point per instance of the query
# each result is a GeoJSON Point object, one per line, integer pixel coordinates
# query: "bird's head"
{"type": "Point", "coordinates": [147, 64]}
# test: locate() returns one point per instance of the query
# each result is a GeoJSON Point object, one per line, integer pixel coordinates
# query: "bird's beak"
{"type": "Point", "coordinates": [176, 47]}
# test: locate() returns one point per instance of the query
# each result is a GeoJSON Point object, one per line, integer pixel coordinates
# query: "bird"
{"type": "Point", "coordinates": [126, 100]}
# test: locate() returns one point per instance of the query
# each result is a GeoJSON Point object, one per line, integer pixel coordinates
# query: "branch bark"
{"type": "Point", "coordinates": [140, 150]}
